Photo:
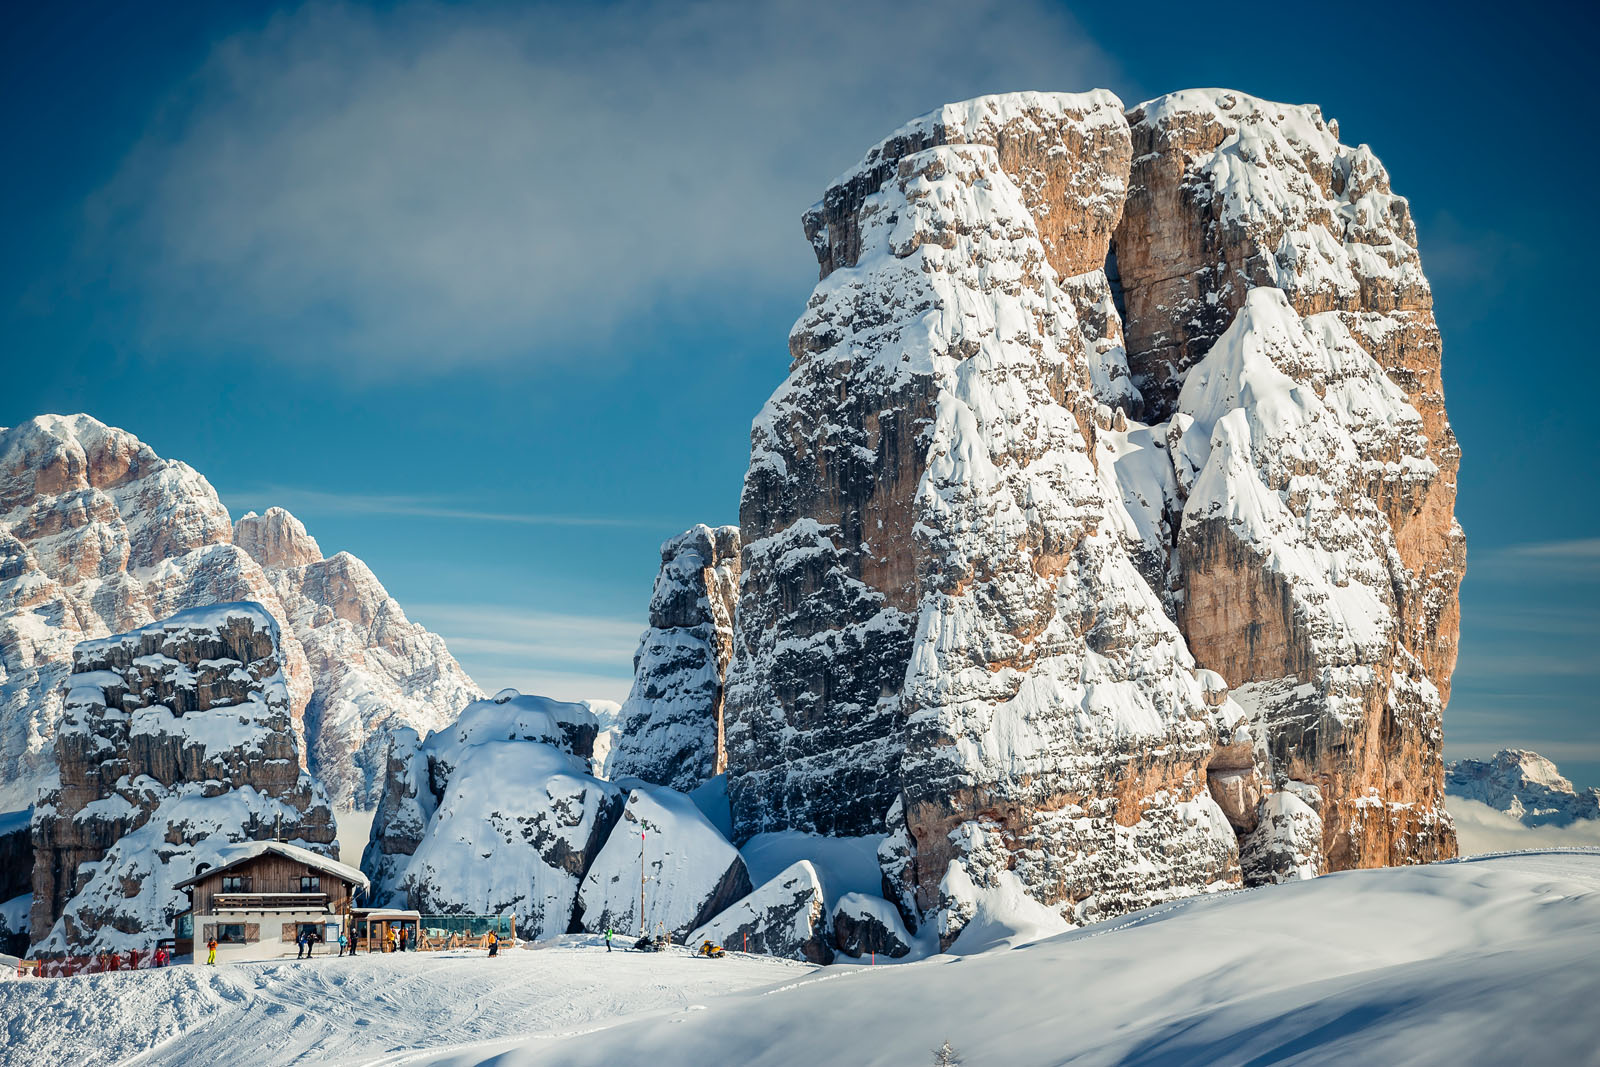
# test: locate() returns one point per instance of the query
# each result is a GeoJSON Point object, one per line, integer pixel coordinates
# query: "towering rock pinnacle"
{"type": "Point", "coordinates": [987, 608]}
{"type": "Point", "coordinates": [672, 732]}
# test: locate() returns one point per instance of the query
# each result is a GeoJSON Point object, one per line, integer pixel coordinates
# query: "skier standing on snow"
{"type": "Point", "coordinates": [608, 939]}
{"type": "Point", "coordinates": [342, 943]}
{"type": "Point", "coordinates": [211, 946]}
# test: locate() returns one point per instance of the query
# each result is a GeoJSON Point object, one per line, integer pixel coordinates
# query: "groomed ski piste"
{"type": "Point", "coordinates": [1484, 960]}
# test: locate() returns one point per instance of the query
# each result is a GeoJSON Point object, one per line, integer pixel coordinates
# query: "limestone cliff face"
{"type": "Point", "coordinates": [177, 740]}
{"type": "Point", "coordinates": [672, 721]}
{"type": "Point", "coordinates": [1277, 312]}
{"type": "Point", "coordinates": [1085, 616]}
{"type": "Point", "coordinates": [99, 535]}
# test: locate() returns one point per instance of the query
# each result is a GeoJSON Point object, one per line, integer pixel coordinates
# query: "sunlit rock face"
{"type": "Point", "coordinates": [177, 741]}
{"type": "Point", "coordinates": [1278, 318]}
{"type": "Point", "coordinates": [1064, 613]}
{"type": "Point", "coordinates": [100, 535]}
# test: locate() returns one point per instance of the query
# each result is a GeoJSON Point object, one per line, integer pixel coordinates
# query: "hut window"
{"type": "Point", "coordinates": [310, 884]}
{"type": "Point", "coordinates": [235, 883]}
{"type": "Point", "coordinates": [231, 933]}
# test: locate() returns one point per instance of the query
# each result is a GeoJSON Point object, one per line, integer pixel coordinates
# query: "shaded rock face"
{"type": "Point", "coordinates": [99, 535]}
{"type": "Point", "coordinates": [177, 741]}
{"type": "Point", "coordinates": [672, 722]}
{"type": "Point", "coordinates": [16, 871]}
{"type": "Point", "coordinates": [1285, 842]}
{"type": "Point", "coordinates": [1073, 608]}
{"type": "Point", "coordinates": [374, 669]}
{"type": "Point", "coordinates": [1525, 786]}
{"type": "Point", "coordinates": [496, 813]}
{"type": "Point", "coordinates": [786, 916]}
{"type": "Point", "coordinates": [693, 872]}
{"type": "Point", "coordinates": [864, 926]}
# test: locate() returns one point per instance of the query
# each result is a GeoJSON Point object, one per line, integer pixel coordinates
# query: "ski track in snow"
{"type": "Point", "coordinates": [1481, 960]}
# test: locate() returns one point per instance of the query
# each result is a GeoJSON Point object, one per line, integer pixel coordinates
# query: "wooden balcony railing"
{"type": "Point", "coordinates": [270, 901]}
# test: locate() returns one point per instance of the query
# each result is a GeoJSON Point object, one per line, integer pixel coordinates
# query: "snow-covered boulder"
{"type": "Point", "coordinates": [496, 813]}
{"type": "Point", "coordinates": [1286, 845]}
{"type": "Point", "coordinates": [787, 916]}
{"type": "Point", "coordinates": [863, 925]}
{"type": "Point", "coordinates": [1525, 786]}
{"type": "Point", "coordinates": [176, 742]}
{"type": "Point", "coordinates": [672, 721]}
{"type": "Point", "coordinates": [691, 872]}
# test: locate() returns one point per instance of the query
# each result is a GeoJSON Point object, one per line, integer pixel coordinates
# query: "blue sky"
{"type": "Point", "coordinates": [488, 294]}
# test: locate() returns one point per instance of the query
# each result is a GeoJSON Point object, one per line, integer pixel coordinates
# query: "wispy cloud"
{"type": "Point", "coordinates": [535, 637]}
{"type": "Point", "coordinates": [569, 657]}
{"type": "Point", "coordinates": [295, 499]}
{"type": "Point", "coordinates": [432, 184]}
{"type": "Point", "coordinates": [1577, 559]}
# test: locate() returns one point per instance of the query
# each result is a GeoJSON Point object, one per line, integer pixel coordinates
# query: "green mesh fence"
{"type": "Point", "coordinates": [442, 927]}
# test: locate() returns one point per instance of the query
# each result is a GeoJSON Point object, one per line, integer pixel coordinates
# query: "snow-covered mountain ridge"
{"type": "Point", "coordinates": [99, 535]}
{"type": "Point", "coordinates": [1523, 785]}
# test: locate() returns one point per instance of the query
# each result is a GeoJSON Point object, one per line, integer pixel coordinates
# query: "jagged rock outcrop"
{"type": "Point", "coordinates": [1108, 506]}
{"type": "Point", "coordinates": [864, 925]}
{"type": "Point", "coordinates": [786, 916]}
{"type": "Point", "coordinates": [672, 722]}
{"type": "Point", "coordinates": [1277, 318]}
{"type": "Point", "coordinates": [1525, 786]}
{"type": "Point", "coordinates": [177, 740]}
{"type": "Point", "coordinates": [99, 535]}
{"type": "Point", "coordinates": [495, 813]}
{"type": "Point", "coordinates": [374, 669]}
{"type": "Point", "coordinates": [693, 872]}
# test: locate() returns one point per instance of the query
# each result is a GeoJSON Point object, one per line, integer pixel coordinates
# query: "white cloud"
{"type": "Point", "coordinates": [433, 184]}
{"type": "Point", "coordinates": [416, 506]}
{"type": "Point", "coordinates": [1480, 829]}
{"type": "Point", "coordinates": [569, 657]}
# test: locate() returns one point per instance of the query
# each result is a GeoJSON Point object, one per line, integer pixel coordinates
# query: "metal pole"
{"type": "Point", "coordinates": [643, 931]}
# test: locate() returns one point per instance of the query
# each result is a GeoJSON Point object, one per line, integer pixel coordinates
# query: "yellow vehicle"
{"type": "Point", "coordinates": [712, 951]}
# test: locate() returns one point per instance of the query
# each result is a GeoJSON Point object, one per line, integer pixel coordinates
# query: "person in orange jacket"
{"type": "Point", "coordinates": [211, 948]}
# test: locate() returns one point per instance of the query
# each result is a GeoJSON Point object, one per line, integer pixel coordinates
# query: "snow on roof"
{"type": "Point", "coordinates": [234, 855]}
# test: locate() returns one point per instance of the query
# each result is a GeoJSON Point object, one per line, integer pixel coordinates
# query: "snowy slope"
{"type": "Point", "coordinates": [1479, 961]}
